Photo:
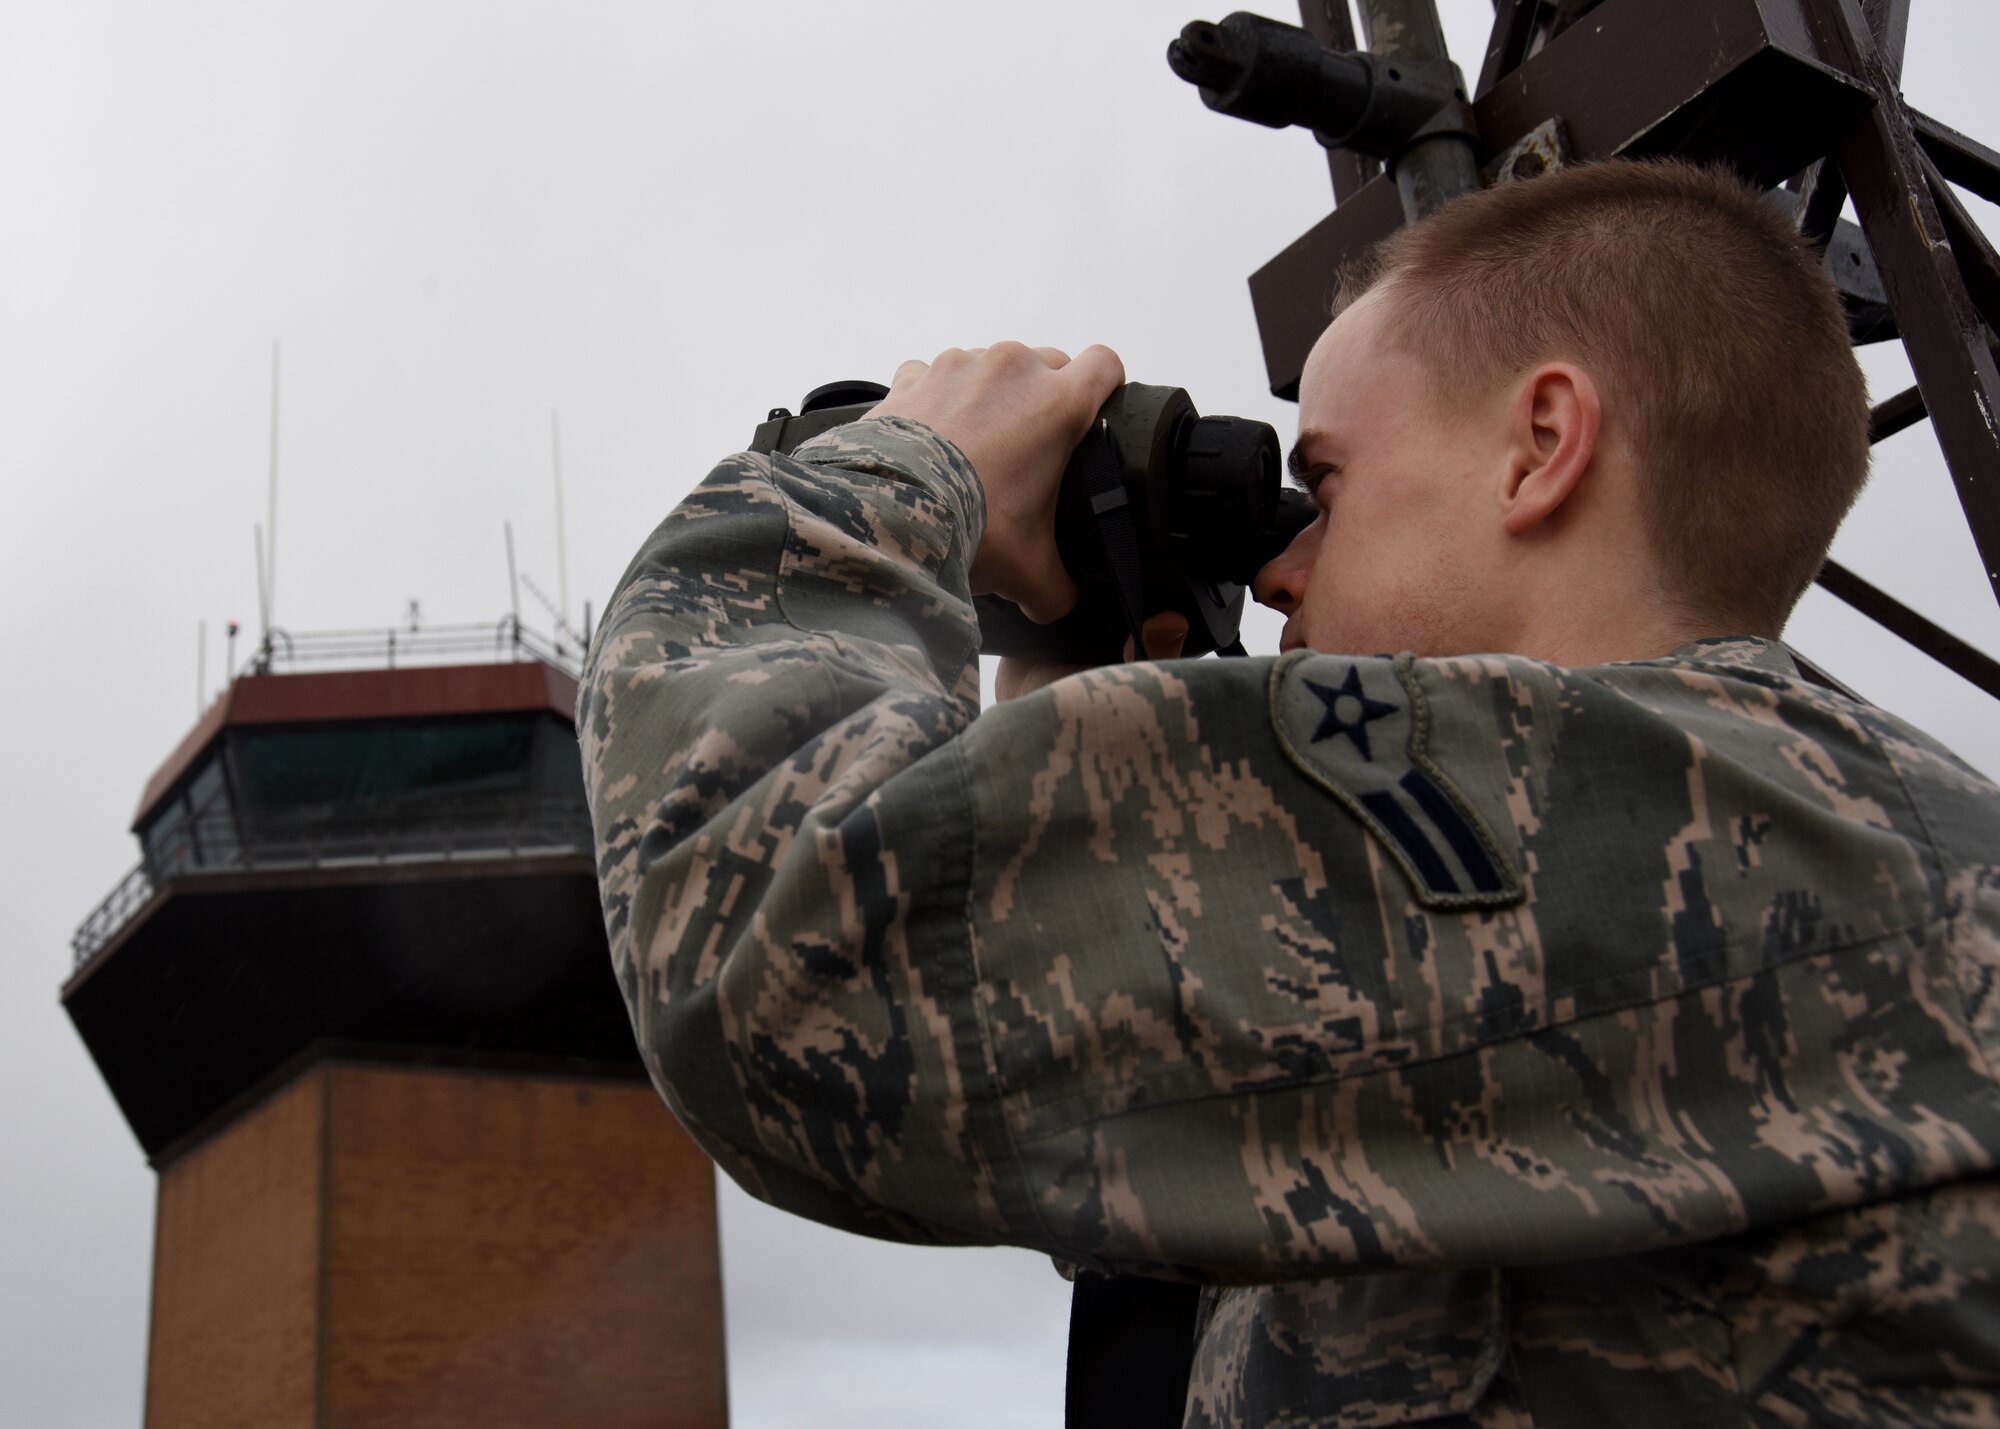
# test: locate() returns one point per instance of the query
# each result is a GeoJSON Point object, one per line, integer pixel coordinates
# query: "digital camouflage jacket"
{"type": "Point", "coordinates": [1500, 1043]}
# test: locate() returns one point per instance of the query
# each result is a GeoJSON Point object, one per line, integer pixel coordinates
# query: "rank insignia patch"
{"type": "Point", "coordinates": [1357, 728]}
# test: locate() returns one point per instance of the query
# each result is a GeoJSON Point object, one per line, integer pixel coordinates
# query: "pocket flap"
{"type": "Point", "coordinates": [1355, 1351]}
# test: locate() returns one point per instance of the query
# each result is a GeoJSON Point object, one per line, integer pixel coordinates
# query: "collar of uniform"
{"type": "Point", "coordinates": [1741, 651]}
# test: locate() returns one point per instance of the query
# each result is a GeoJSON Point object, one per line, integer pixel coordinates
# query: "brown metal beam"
{"type": "Point", "coordinates": [1900, 412]}
{"type": "Point", "coordinates": [1513, 32]}
{"type": "Point", "coordinates": [1977, 265]}
{"type": "Point", "coordinates": [1746, 87]}
{"type": "Point", "coordinates": [1957, 655]}
{"type": "Point", "coordinates": [1896, 414]}
{"type": "Point", "coordinates": [1942, 333]}
{"type": "Point", "coordinates": [1822, 194]}
{"type": "Point", "coordinates": [1964, 160]}
{"type": "Point", "coordinates": [1889, 24]}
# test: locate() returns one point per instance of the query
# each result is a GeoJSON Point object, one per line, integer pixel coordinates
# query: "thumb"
{"type": "Point", "coordinates": [1164, 635]}
{"type": "Point", "coordinates": [1047, 592]}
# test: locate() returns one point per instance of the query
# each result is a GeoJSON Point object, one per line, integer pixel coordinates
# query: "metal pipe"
{"type": "Point", "coordinates": [1439, 167]}
{"type": "Point", "coordinates": [1330, 22]}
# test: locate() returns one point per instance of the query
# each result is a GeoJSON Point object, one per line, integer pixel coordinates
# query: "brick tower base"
{"type": "Point", "coordinates": [381, 1246]}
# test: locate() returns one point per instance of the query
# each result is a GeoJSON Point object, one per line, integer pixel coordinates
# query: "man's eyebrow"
{"type": "Point", "coordinates": [1296, 459]}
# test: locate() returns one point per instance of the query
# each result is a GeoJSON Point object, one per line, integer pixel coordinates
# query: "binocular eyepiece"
{"type": "Point", "coordinates": [1160, 509]}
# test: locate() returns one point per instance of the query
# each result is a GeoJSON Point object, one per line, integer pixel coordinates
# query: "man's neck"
{"type": "Point", "coordinates": [1598, 601]}
{"type": "Point", "coordinates": [1609, 627]}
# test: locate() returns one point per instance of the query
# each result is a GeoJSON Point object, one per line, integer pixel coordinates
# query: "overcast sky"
{"type": "Point", "coordinates": [662, 221]}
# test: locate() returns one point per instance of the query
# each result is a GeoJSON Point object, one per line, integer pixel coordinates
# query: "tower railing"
{"type": "Point", "coordinates": [404, 646]}
{"type": "Point", "coordinates": [359, 835]}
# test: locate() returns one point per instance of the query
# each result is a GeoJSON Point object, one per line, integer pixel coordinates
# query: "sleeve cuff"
{"type": "Point", "coordinates": [899, 448]}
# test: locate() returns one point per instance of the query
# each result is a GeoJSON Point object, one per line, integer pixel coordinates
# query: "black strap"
{"type": "Point", "coordinates": [1131, 1348]}
{"type": "Point", "coordinates": [1097, 458]}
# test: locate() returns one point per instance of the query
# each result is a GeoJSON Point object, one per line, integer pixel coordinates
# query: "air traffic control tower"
{"type": "Point", "coordinates": [356, 1005]}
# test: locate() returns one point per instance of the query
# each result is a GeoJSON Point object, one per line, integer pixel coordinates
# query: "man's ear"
{"type": "Point", "coordinates": [1553, 426]}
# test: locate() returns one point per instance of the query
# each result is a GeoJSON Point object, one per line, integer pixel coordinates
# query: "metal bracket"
{"type": "Point", "coordinates": [1542, 150]}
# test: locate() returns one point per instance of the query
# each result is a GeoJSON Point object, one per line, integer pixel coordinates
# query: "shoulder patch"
{"type": "Point", "coordinates": [1357, 728]}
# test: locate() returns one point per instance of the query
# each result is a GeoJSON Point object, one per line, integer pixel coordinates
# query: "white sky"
{"type": "Point", "coordinates": [661, 220]}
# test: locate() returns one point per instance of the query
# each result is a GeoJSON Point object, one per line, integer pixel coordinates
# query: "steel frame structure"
{"type": "Point", "coordinates": [1799, 96]}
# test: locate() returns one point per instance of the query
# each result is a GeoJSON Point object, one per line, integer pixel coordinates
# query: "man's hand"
{"type": "Point", "coordinates": [1018, 676]}
{"type": "Point", "coordinates": [1017, 413]}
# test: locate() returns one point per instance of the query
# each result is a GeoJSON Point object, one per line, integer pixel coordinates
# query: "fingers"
{"type": "Point", "coordinates": [1164, 633]}
{"type": "Point", "coordinates": [1098, 371]}
{"type": "Point", "coordinates": [1015, 413]}
{"type": "Point", "coordinates": [1049, 594]}
{"type": "Point", "coordinates": [1096, 366]}
{"type": "Point", "coordinates": [1094, 357]}
{"type": "Point", "coordinates": [906, 374]}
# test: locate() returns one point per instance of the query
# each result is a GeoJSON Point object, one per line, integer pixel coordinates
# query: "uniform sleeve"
{"type": "Point", "coordinates": [766, 720]}
{"type": "Point", "coordinates": [1246, 970]}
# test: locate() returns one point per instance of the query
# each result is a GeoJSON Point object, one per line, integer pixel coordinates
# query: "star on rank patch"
{"type": "Point", "coordinates": [1357, 728]}
{"type": "Point", "coordinates": [1348, 711]}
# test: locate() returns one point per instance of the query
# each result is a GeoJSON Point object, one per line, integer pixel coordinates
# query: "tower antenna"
{"type": "Point", "coordinates": [562, 546]}
{"type": "Point", "coordinates": [263, 591]}
{"type": "Point", "coordinates": [269, 560]}
{"type": "Point", "coordinates": [513, 581]}
{"type": "Point", "coordinates": [201, 669]}
{"type": "Point", "coordinates": [513, 578]}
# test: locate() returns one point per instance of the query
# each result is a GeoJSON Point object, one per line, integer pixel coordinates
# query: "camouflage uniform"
{"type": "Point", "coordinates": [1501, 1043]}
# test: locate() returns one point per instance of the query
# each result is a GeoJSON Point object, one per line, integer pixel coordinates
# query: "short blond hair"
{"type": "Point", "coordinates": [1712, 330]}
